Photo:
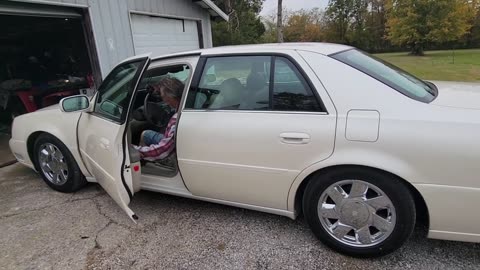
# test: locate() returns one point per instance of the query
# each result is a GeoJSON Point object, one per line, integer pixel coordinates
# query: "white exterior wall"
{"type": "Point", "coordinates": [111, 23]}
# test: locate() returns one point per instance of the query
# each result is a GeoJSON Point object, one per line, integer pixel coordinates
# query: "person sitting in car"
{"type": "Point", "coordinates": [155, 145]}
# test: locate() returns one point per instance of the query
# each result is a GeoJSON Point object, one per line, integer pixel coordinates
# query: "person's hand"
{"type": "Point", "coordinates": [154, 91]}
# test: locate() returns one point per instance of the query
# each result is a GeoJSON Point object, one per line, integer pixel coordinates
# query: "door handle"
{"type": "Point", "coordinates": [104, 143]}
{"type": "Point", "coordinates": [294, 138]}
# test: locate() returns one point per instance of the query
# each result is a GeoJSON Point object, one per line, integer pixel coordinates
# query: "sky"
{"type": "Point", "coordinates": [270, 6]}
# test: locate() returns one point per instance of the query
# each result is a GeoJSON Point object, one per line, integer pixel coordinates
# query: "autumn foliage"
{"type": "Point", "coordinates": [415, 23]}
{"type": "Point", "coordinates": [372, 25]}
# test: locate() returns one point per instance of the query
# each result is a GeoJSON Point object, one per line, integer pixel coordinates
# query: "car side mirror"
{"type": "Point", "coordinates": [74, 103]}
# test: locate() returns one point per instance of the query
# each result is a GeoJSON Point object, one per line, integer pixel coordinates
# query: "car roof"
{"type": "Point", "coordinates": [322, 48]}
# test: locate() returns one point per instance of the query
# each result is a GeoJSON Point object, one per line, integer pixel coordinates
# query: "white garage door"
{"type": "Point", "coordinates": [161, 35]}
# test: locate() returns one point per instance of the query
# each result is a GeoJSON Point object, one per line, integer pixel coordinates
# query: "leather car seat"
{"type": "Point", "coordinates": [230, 96]}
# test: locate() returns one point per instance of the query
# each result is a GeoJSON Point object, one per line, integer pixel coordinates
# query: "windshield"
{"type": "Point", "coordinates": [389, 74]}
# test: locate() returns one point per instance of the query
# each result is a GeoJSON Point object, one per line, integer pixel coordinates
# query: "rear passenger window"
{"type": "Point", "coordinates": [234, 83]}
{"type": "Point", "coordinates": [246, 83]}
{"type": "Point", "coordinates": [290, 91]}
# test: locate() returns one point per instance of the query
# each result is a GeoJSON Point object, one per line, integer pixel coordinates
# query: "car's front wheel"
{"type": "Point", "coordinates": [359, 212]}
{"type": "Point", "coordinates": [56, 164]}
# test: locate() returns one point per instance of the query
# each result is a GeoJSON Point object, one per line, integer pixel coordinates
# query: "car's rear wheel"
{"type": "Point", "coordinates": [56, 164]}
{"type": "Point", "coordinates": [359, 212]}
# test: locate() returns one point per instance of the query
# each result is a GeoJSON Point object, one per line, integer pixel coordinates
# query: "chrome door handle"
{"type": "Point", "coordinates": [295, 138]}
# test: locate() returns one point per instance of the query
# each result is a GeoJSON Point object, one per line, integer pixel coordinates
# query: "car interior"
{"type": "Point", "coordinates": [151, 113]}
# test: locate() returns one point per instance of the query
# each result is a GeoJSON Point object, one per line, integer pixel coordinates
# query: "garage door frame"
{"type": "Point", "coordinates": [199, 21]}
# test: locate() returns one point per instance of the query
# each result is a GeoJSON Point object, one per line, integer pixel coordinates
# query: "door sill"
{"type": "Point", "coordinates": [174, 186]}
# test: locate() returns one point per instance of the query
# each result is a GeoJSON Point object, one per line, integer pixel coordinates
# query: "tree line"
{"type": "Point", "coordinates": [372, 25]}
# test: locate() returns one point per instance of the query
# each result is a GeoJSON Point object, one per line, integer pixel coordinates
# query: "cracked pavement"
{"type": "Point", "coordinates": [44, 229]}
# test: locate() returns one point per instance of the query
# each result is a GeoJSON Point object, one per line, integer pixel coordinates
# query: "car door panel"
{"type": "Point", "coordinates": [252, 156]}
{"type": "Point", "coordinates": [242, 157]}
{"type": "Point", "coordinates": [102, 137]}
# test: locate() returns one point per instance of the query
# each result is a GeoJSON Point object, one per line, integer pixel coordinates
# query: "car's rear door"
{"type": "Point", "coordinates": [250, 125]}
{"type": "Point", "coordinates": [102, 134]}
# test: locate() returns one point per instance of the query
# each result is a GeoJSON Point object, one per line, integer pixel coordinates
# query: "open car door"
{"type": "Point", "coordinates": [102, 133]}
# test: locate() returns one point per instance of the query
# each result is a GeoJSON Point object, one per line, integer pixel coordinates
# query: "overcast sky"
{"type": "Point", "coordinates": [270, 6]}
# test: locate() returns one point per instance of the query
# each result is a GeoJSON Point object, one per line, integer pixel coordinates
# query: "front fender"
{"type": "Point", "coordinates": [26, 128]}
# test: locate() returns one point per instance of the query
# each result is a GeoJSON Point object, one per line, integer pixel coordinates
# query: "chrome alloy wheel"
{"type": "Point", "coordinates": [53, 164]}
{"type": "Point", "coordinates": [356, 213]}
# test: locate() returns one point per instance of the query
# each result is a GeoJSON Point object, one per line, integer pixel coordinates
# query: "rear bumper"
{"type": "Point", "coordinates": [453, 212]}
{"type": "Point", "coordinates": [20, 151]}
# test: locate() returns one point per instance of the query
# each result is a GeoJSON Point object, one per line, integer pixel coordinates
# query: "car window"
{"type": "Point", "coordinates": [234, 83]}
{"type": "Point", "coordinates": [154, 75]}
{"type": "Point", "coordinates": [244, 83]}
{"type": "Point", "coordinates": [113, 94]}
{"type": "Point", "coordinates": [290, 91]}
{"type": "Point", "coordinates": [389, 74]}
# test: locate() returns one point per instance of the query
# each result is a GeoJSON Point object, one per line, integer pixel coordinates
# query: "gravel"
{"type": "Point", "coordinates": [44, 229]}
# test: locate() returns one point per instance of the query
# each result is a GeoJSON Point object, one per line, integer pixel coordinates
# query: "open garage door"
{"type": "Point", "coordinates": [44, 54]}
{"type": "Point", "coordinates": [160, 35]}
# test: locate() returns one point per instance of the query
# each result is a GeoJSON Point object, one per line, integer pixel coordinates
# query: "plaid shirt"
{"type": "Point", "coordinates": [162, 149]}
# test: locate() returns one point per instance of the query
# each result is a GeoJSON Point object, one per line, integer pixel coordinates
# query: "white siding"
{"type": "Point", "coordinates": [111, 23]}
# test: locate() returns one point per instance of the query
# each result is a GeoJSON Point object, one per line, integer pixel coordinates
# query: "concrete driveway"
{"type": "Point", "coordinates": [44, 229]}
{"type": "Point", "coordinates": [6, 156]}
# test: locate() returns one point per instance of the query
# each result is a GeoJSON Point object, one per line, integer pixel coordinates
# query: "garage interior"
{"type": "Point", "coordinates": [44, 57]}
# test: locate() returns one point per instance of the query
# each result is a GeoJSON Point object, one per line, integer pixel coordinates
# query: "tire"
{"type": "Point", "coordinates": [369, 225]}
{"type": "Point", "coordinates": [68, 177]}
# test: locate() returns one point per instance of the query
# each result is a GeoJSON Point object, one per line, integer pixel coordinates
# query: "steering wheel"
{"type": "Point", "coordinates": [147, 110]}
{"type": "Point", "coordinates": [156, 113]}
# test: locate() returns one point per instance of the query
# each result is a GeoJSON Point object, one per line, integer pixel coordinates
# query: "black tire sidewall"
{"type": "Point", "coordinates": [393, 187]}
{"type": "Point", "coordinates": [75, 179]}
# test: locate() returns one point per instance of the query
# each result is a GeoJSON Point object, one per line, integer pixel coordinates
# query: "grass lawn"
{"type": "Point", "coordinates": [439, 65]}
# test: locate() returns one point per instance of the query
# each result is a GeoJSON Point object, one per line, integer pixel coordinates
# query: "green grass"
{"type": "Point", "coordinates": [439, 65]}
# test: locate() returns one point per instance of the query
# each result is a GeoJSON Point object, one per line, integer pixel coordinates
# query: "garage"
{"type": "Point", "coordinates": [50, 49]}
{"type": "Point", "coordinates": [45, 57]}
{"type": "Point", "coordinates": [161, 35]}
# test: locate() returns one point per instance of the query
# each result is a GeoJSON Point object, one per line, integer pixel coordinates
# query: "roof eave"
{"type": "Point", "coordinates": [213, 9]}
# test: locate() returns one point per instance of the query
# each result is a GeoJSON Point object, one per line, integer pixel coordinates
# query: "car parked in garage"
{"type": "Point", "coordinates": [359, 146]}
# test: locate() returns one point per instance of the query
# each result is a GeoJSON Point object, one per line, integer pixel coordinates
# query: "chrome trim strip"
{"type": "Point", "coordinates": [251, 111]}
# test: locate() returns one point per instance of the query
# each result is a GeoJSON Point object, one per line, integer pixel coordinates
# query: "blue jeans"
{"type": "Point", "coordinates": [151, 137]}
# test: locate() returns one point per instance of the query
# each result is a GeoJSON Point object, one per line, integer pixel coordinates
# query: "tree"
{"type": "Point", "coordinates": [375, 26]}
{"type": "Point", "coordinates": [304, 25]}
{"type": "Point", "coordinates": [279, 22]}
{"type": "Point", "coordinates": [473, 38]}
{"type": "Point", "coordinates": [415, 23]}
{"type": "Point", "coordinates": [244, 26]}
{"type": "Point", "coordinates": [270, 34]}
{"type": "Point", "coordinates": [358, 34]}
{"type": "Point", "coordinates": [360, 23]}
{"type": "Point", "coordinates": [338, 16]}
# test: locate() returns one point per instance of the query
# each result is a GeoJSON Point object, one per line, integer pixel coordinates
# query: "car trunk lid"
{"type": "Point", "coordinates": [463, 95]}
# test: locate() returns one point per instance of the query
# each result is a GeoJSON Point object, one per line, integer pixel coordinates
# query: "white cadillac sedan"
{"type": "Point", "coordinates": [358, 146]}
